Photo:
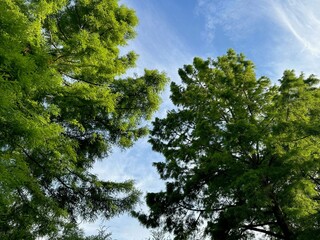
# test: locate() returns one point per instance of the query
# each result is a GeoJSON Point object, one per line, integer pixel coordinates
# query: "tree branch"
{"type": "Point", "coordinates": [279, 236]}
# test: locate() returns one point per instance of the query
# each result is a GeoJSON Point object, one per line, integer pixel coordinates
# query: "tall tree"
{"type": "Point", "coordinates": [64, 105]}
{"type": "Point", "coordinates": [241, 155]}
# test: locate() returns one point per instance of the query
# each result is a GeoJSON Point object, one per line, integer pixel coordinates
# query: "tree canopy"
{"type": "Point", "coordinates": [64, 104]}
{"type": "Point", "coordinates": [241, 154]}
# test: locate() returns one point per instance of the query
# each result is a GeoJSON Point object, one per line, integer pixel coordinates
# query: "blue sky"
{"type": "Point", "coordinates": [274, 34]}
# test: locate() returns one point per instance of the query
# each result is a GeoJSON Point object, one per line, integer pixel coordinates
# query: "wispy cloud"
{"type": "Point", "coordinates": [302, 20]}
{"type": "Point", "coordinates": [289, 31]}
{"type": "Point", "coordinates": [236, 18]}
{"type": "Point", "coordinates": [299, 43]}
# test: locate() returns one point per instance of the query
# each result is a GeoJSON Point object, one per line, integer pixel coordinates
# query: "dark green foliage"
{"type": "Point", "coordinates": [64, 105]}
{"type": "Point", "coordinates": [242, 156]}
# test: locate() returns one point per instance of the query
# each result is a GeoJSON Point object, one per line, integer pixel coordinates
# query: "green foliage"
{"type": "Point", "coordinates": [72, 232]}
{"type": "Point", "coordinates": [158, 235]}
{"type": "Point", "coordinates": [242, 156]}
{"type": "Point", "coordinates": [64, 105]}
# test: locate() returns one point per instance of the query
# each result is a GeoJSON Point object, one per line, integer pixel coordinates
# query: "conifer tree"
{"type": "Point", "coordinates": [241, 154]}
{"type": "Point", "coordinates": [64, 105]}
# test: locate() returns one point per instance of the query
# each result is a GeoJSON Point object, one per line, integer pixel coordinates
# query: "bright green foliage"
{"type": "Point", "coordinates": [242, 156]}
{"type": "Point", "coordinates": [64, 105]}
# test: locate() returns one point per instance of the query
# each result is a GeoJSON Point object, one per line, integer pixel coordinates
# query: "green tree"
{"type": "Point", "coordinates": [72, 232]}
{"type": "Point", "coordinates": [158, 235]}
{"type": "Point", "coordinates": [241, 155]}
{"type": "Point", "coordinates": [64, 105]}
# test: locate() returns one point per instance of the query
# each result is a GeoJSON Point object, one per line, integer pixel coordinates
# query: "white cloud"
{"type": "Point", "coordinates": [302, 20]}
{"type": "Point", "coordinates": [299, 44]}
{"type": "Point", "coordinates": [236, 18]}
{"type": "Point", "coordinates": [292, 41]}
